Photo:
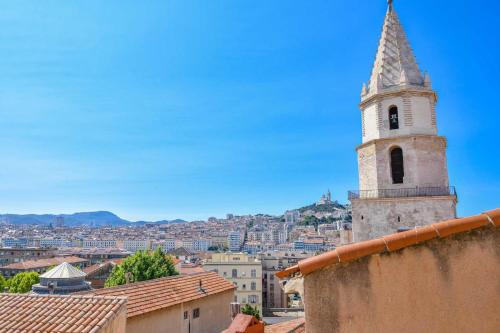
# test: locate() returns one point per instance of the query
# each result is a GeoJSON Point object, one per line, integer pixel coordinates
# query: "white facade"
{"type": "Point", "coordinates": [234, 241]}
{"type": "Point", "coordinates": [99, 243]}
{"type": "Point", "coordinates": [244, 271]}
{"type": "Point", "coordinates": [134, 245]}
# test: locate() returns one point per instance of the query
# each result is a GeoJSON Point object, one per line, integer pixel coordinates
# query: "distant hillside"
{"type": "Point", "coordinates": [323, 208]}
{"type": "Point", "coordinates": [100, 218]}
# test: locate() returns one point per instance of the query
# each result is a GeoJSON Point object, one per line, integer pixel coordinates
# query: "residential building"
{"type": "Point", "coordinates": [273, 295]}
{"type": "Point", "coordinates": [166, 245]}
{"type": "Point", "coordinates": [56, 313]}
{"type": "Point", "coordinates": [55, 243]}
{"type": "Point", "coordinates": [292, 216]}
{"type": "Point", "coordinates": [403, 175]}
{"type": "Point", "coordinates": [99, 243]}
{"type": "Point", "coordinates": [97, 274]}
{"type": "Point", "coordinates": [14, 255]}
{"type": "Point", "coordinates": [15, 242]}
{"type": "Point", "coordinates": [96, 255]}
{"type": "Point", "coordinates": [198, 303]}
{"type": "Point", "coordinates": [432, 273]}
{"type": "Point", "coordinates": [243, 323]}
{"type": "Point", "coordinates": [40, 265]}
{"type": "Point", "coordinates": [134, 245]}
{"type": "Point", "coordinates": [244, 271]}
{"type": "Point", "coordinates": [234, 241]}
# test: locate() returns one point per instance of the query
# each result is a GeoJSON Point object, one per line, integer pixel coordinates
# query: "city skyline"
{"type": "Point", "coordinates": [189, 111]}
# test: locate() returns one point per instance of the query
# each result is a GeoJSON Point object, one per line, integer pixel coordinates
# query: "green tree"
{"type": "Point", "coordinates": [22, 282]}
{"type": "Point", "coordinates": [3, 283]}
{"type": "Point", "coordinates": [142, 266]}
{"type": "Point", "coordinates": [250, 310]}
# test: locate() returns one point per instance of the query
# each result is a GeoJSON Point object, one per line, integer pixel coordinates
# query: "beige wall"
{"type": "Point", "coordinates": [444, 285]}
{"type": "Point", "coordinates": [224, 263]}
{"type": "Point", "coordinates": [215, 316]}
{"type": "Point", "coordinates": [118, 324]}
{"type": "Point", "coordinates": [424, 163]}
{"type": "Point", "coordinates": [374, 218]}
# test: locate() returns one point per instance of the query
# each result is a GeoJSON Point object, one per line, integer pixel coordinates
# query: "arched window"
{"type": "Point", "coordinates": [393, 118]}
{"type": "Point", "coordinates": [397, 166]}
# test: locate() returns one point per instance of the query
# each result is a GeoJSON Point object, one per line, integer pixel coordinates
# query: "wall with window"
{"type": "Point", "coordinates": [210, 314]}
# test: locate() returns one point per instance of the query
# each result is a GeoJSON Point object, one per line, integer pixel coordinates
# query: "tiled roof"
{"type": "Point", "coordinates": [291, 326]}
{"type": "Point", "coordinates": [393, 242]}
{"type": "Point", "coordinates": [63, 271]}
{"type": "Point", "coordinates": [147, 296]}
{"type": "Point", "coordinates": [36, 313]}
{"type": "Point", "coordinates": [97, 267]}
{"type": "Point", "coordinates": [244, 323]}
{"type": "Point", "coordinates": [40, 263]}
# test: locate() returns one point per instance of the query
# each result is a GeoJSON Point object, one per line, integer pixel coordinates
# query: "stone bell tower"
{"type": "Point", "coordinates": [403, 176]}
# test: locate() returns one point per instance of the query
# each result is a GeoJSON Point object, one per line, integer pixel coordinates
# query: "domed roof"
{"type": "Point", "coordinates": [63, 271]}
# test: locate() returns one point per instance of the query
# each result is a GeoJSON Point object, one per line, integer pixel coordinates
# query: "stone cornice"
{"type": "Point", "coordinates": [408, 90]}
{"type": "Point", "coordinates": [374, 141]}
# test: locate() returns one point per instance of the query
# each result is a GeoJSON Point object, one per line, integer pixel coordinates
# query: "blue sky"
{"type": "Point", "coordinates": [191, 109]}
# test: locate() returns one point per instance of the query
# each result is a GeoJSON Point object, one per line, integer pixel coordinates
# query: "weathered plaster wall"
{"type": "Point", "coordinates": [424, 163]}
{"type": "Point", "coordinates": [374, 218]}
{"type": "Point", "coordinates": [118, 324]}
{"type": "Point", "coordinates": [444, 285]}
{"type": "Point", "coordinates": [215, 316]}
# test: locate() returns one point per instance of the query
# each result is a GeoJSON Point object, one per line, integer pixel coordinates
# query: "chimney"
{"type": "Point", "coordinates": [235, 309]}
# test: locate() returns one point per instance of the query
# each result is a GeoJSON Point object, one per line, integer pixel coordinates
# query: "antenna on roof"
{"type": "Point", "coordinates": [200, 288]}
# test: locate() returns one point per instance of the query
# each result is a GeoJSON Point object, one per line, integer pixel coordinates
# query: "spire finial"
{"type": "Point", "coordinates": [390, 5]}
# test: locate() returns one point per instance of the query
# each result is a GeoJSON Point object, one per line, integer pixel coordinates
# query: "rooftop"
{"type": "Point", "coordinates": [291, 326]}
{"type": "Point", "coordinates": [35, 313]}
{"type": "Point", "coordinates": [63, 271]}
{"type": "Point", "coordinates": [40, 263]}
{"type": "Point", "coordinates": [152, 295]}
{"type": "Point", "coordinates": [393, 242]}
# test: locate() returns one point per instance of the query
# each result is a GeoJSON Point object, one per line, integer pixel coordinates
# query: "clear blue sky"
{"type": "Point", "coordinates": [166, 109]}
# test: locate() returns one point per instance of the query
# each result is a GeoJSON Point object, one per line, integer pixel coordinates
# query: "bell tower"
{"type": "Point", "coordinates": [403, 176]}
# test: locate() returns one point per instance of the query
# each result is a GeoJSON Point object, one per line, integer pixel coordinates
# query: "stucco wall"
{"type": "Point", "coordinates": [424, 163]}
{"type": "Point", "coordinates": [118, 324]}
{"type": "Point", "coordinates": [444, 285]}
{"type": "Point", "coordinates": [374, 218]}
{"type": "Point", "coordinates": [415, 113]}
{"type": "Point", "coordinates": [215, 316]}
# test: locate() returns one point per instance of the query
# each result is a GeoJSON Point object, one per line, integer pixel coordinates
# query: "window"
{"type": "Point", "coordinates": [196, 313]}
{"type": "Point", "coordinates": [185, 315]}
{"type": "Point", "coordinates": [253, 286]}
{"type": "Point", "coordinates": [254, 273]}
{"type": "Point", "coordinates": [234, 273]}
{"type": "Point", "coordinates": [244, 286]}
{"type": "Point", "coordinates": [397, 166]}
{"type": "Point", "coordinates": [393, 118]}
{"type": "Point", "coordinates": [253, 299]}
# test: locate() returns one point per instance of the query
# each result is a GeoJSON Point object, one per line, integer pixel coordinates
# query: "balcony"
{"type": "Point", "coordinates": [404, 192]}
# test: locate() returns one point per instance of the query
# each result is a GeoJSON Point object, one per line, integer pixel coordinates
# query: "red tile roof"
{"type": "Point", "coordinates": [291, 326]}
{"type": "Point", "coordinates": [393, 242]}
{"type": "Point", "coordinates": [147, 296]}
{"type": "Point", "coordinates": [41, 263]}
{"type": "Point", "coordinates": [243, 323]}
{"type": "Point", "coordinates": [36, 313]}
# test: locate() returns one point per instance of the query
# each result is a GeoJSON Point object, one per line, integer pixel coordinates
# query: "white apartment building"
{"type": "Point", "coordinates": [55, 243]}
{"type": "Point", "coordinates": [99, 243]}
{"type": "Point", "coordinates": [201, 245]}
{"type": "Point", "coordinates": [244, 271]}
{"type": "Point", "coordinates": [166, 245]}
{"type": "Point", "coordinates": [234, 241]}
{"type": "Point", "coordinates": [134, 245]}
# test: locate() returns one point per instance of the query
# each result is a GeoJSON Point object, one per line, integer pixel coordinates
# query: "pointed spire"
{"type": "Point", "coordinates": [427, 80]}
{"type": "Point", "coordinates": [363, 90]}
{"type": "Point", "coordinates": [395, 63]}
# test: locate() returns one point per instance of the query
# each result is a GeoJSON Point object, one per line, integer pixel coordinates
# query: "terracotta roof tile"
{"type": "Point", "coordinates": [161, 293]}
{"type": "Point", "coordinates": [291, 326]}
{"type": "Point", "coordinates": [55, 313]}
{"type": "Point", "coordinates": [393, 242]}
{"type": "Point", "coordinates": [41, 263]}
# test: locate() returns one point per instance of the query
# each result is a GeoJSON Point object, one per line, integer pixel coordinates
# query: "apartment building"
{"type": "Point", "coordinates": [99, 243]}
{"type": "Point", "coordinates": [134, 245]}
{"type": "Point", "coordinates": [244, 271]}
